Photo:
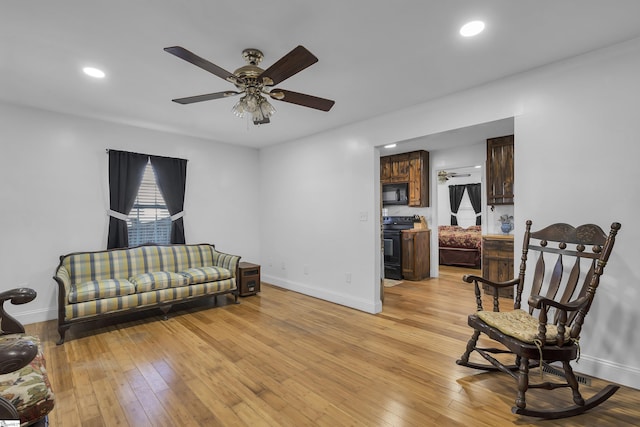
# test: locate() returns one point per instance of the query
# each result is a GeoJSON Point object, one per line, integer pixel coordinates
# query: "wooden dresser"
{"type": "Point", "coordinates": [497, 261]}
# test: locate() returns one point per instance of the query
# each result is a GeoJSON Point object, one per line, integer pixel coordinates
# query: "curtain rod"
{"type": "Point", "coordinates": [142, 154]}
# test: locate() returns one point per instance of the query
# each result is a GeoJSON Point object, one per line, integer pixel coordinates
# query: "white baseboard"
{"type": "Point", "coordinates": [609, 371]}
{"type": "Point", "coordinates": [331, 296]}
{"type": "Point", "coordinates": [34, 316]}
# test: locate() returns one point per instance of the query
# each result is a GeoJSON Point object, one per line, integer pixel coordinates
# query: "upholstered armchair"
{"type": "Point", "coordinates": [25, 391]}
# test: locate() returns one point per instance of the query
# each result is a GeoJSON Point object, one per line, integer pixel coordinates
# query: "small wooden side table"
{"type": "Point", "coordinates": [249, 283]}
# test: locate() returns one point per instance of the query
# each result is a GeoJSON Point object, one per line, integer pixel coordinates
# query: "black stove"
{"type": "Point", "coordinates": [399, 222]}
{"type": "Point", "coordinates": [392, 227]}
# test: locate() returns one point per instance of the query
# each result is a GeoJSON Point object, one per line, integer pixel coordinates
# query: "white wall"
{"type": "Point", "coordinates": [577, 149]}
{"type": "Point", "coordinates": [54, 194]}
{"type": "Point", "coordinates": [319, 219]}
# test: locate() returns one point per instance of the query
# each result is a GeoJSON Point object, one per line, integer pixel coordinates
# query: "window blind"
{"type": "Point", "coordinates": [149, 220]}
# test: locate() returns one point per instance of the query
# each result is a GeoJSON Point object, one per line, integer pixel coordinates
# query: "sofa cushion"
{"type": "Point", "coordinates": [28, 389]}
{"type": "Point", "coordinates": [98, 289]}
{"type": "Point", "coordinates": [157, 280]}
{"type": "Point", "coordinates": [205, 274]}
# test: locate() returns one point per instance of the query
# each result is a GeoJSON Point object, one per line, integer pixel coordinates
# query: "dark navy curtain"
{"type": "Point", "coordinates": [455, 198]}
{"type": "Point", "coordinates": [125, 175]}
{"type": "Point", "coordinates": [475, 195]}
{"type": "Point", "coordinates": [171, 177]}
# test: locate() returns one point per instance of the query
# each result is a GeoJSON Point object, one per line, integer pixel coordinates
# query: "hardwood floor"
{"type": "Point", "coordinates": [285, 359]}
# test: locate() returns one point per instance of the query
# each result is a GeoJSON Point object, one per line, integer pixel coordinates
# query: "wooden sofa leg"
{"type": "Point", "coordinates": [165, 309]}
{"type": "Point", "coordinates": [62, 330]}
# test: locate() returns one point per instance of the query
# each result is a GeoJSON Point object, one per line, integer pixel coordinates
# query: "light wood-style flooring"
{"type": "Point", "coordinates": [285, 359]}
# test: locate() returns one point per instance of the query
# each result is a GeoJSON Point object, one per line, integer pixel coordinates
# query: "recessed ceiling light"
{"type": "Point", "coordinates": [472, 28]}
{"type": "Point", "coordinates": [93, 72]}
{"type": "Point", "coordinates": [390, 146]}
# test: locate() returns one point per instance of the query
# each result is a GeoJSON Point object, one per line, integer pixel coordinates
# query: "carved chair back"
{"type": "Point", "coordinates": [568, 262]}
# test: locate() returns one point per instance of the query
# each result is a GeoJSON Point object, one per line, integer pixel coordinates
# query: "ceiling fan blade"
{"type": "Point", "coordinates": [206, 97]}
{"type": "Point", "coordinates": [191, 57]}
{"type": "Point", "coordinates": [302, 99]}
{"type": "Point", "coordinates": [293, 62]}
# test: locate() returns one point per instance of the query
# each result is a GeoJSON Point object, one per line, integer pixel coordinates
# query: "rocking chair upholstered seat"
{"type": "Point", "coordinates": [558, 304]}
{"type": "Point", "coordinates": [520, 325]}
{"type": "Point", "coordinates": [25, 390]}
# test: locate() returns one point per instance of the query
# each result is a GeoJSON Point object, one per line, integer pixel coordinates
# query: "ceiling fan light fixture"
{"type": "Point", "coordinates": [256, 105]}
{"type": "Point", "coordinates": [238, 109]}
{"type": "Point", "coordinates": [266, 108]}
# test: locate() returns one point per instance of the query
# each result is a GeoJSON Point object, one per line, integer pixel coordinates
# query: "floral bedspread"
{"type": "Point", "coordinates": [454, 236]}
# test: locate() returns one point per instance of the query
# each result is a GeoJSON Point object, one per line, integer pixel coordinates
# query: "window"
{"type": "Point", "coordinates": [136, 178]}
{"type": "Point", "coordinates": [149, 220]}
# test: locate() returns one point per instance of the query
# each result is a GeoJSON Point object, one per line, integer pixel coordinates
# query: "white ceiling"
{"type": "Point", "coordinates": [374, 56]}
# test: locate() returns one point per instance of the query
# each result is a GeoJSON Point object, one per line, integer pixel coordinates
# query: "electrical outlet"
{"type": "Point", "coordinates": [283, 266]}
{"type": "Point", "coordinates": [347, 277]}
{"type": "Point", "coordinates": [306, 270]}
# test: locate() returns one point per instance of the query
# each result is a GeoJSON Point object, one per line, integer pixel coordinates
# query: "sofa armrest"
{"type": "Point", "coordinates": [227, 261]}
{"type": "Point", "coordinates": [63, 278]}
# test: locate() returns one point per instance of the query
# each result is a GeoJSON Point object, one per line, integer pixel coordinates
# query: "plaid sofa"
{"type": "Point", "coordinates": [97, 284]}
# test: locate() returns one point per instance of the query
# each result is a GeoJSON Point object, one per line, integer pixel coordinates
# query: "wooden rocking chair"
{"type": "Point", "coordinates": [549, 331]}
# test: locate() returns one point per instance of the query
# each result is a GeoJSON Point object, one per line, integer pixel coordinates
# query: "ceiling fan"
{"type": "Point", "coordinates": [443, 176]}
{"type": "Point", "coordinates": [254, 83]}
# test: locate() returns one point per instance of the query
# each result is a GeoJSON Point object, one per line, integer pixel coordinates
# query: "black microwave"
{"type": "Point", "coordinates": [395, 194]}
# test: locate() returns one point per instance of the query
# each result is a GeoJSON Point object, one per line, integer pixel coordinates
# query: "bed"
{"type": "Point", "coordinates": [460, 246]}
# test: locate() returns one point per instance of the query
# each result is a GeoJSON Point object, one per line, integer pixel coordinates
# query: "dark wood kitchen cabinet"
{"type": "Point", "coordinates": [419, 178]}
{"type": "Point", "coordinates": [497, 261]}
{"type": "Point", "coordinates": [412, 168]}
{"type": "Point", "coordinates": [394, 168]}
{"type": "Point", "coordinates": [416, 254]}
{"type": "Point", "coordinates": [500, 170]}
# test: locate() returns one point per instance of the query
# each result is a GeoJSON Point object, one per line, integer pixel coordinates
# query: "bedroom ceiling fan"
{"type": "Point", "coordinates": [443, 176]}
{"type": "Point", "coordinates": [256, 84]}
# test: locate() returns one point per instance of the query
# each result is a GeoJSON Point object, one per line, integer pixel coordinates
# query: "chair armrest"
{"type": "Point", "coordinates": [540, 302]}
{"type": "Point", "coordinates": [16, 352]}
{"type": "Point", "coordinates": [18, 295]}
{"type": "Point", "coordinates": [543, 303]}
{"type": "Point", "coordinates": [7, 410]}
{"type": "Point", "coordinates": [470, 278]}
{"type": "Point", "coordinates": [8, 324]}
